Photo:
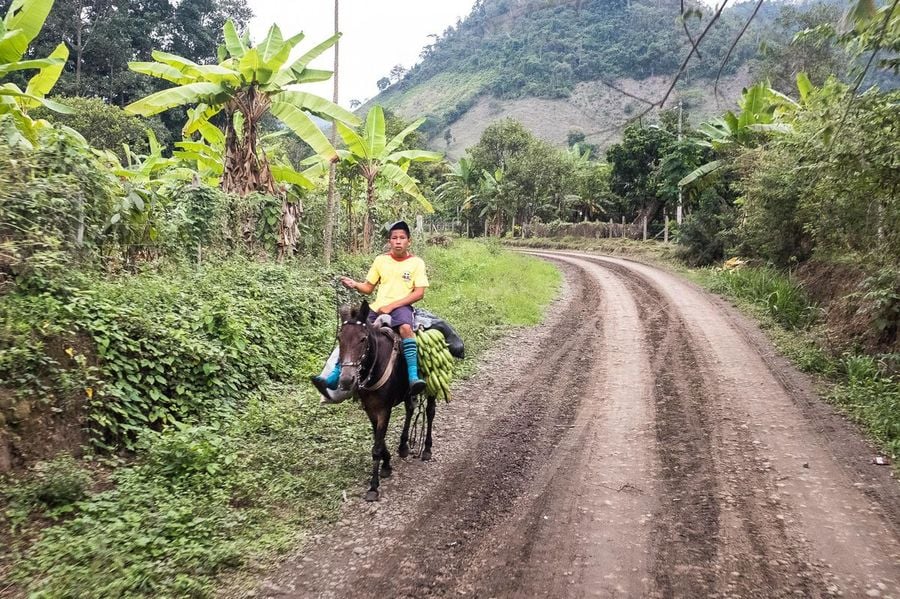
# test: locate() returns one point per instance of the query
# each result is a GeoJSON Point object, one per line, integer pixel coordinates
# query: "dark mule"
{"type": "Point", "coordinates": [373, 365]}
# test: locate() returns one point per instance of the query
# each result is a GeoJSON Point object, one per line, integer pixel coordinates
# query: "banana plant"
{"type": "Point", "coordinates": [23, 23]}
{"type": "Point", "coordinates": [248, 83]}
{"type": "Point", "coordinates": [379, 160]}
{"type": "Point", "coordinates": [205, 154]}
{"type": "Point", "coordinates": [763, 110]}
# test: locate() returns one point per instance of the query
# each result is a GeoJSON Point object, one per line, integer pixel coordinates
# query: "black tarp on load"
{"type": "Point", "coordinates": [427, 320]}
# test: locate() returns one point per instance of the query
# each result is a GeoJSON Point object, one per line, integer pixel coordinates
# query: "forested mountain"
{"type": "Point", "coordinates": [555, 65]}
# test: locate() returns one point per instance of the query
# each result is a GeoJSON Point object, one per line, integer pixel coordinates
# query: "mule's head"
{"type": "Point", "coordinates": [353, 341]}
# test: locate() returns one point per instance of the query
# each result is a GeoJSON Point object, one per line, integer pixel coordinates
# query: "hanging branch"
{"type": "Point", "coordinates": [687, 32]}
{"type": "Point", "coordinates": [884, 25]}
{"type": "Point", "coordinates": [661, 103]}
{"type": "Point", "coordinates": [733, 46]}
{"type": "Point", "coordinates": [687, 59]}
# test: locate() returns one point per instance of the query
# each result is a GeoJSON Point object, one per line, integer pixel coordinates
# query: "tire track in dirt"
{"type": "Point", "coordinates": [802, 510]}
{"type": "Point", "coordinates": [697, 552]}
{"type": "Point", "coordinates": [583, 526]}
{"type": "Point", "coordinates": [635, 445]}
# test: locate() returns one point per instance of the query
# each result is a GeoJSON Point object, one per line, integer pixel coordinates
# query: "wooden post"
{"type": "Point", "coordinates": [609, 233]}
{"type": "Point", "coordinates": [79, 235]}
{"type": "Point", "coordinates": [623, 227]}
{"type": "Point", "coordinates": [666, 229]}
{"type": "Point", "coordinates": [645, 227]}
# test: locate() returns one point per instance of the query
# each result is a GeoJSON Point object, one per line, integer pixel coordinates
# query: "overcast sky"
{"type": "Point", "coordinates": [377, 35]}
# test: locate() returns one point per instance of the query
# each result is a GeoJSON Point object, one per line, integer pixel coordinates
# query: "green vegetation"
{"type": "Point", "coordinates": [449, 94]}
{"type": "Point", "coordinates": [234, 461]}
{"type": "Point", "coordinates": [106, 126]}
{"type": "Point", "coordinates": [781, 298]}
{"type": "Point", "coordinates": [529, 48]}
{"type": "Point", "coordinates": [145, 321]}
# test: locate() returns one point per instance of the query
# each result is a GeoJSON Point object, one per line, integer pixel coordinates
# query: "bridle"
{"type": "Point", "coordinates": [365, 354]}
{"type": "Point", "coordinates": [367, 385]}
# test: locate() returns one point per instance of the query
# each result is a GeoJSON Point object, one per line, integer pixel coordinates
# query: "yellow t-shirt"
{"type": "Point", "coordinates": [395, 278]}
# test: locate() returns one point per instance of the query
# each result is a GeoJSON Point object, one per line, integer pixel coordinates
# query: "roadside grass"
{"type": "Point", "coordinates": [218, 499]}
{"type": "Point", "coordinates": [865, 388]}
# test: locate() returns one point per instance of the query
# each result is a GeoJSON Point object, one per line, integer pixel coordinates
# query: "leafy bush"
{"type": "Point", "coordinates": [55, 202]}
{"type": "Point", "coordinates": [185, 451]}
{"type": "Point", "coordinates": [881, 299]}
{"type": "Point", "coordinates": [106, 126]}
{"type": "Point", "coordinates": [707, 234]}
{"type": "Point", "coordinates": [52, 487]}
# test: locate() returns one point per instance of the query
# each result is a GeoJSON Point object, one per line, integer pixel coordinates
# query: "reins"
{"type": "Point", "coordinates": [365, 385]}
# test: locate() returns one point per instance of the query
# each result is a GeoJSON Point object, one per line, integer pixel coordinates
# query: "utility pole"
{"type": "Point", "coordinates": [680, 208]}
{"type": "Point", "coordinates": [332, 168]}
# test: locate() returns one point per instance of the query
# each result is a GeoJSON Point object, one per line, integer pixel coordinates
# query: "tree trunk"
{"type": "Point", "coordinates": [245, 170]}
{"type": "Point", "coordinates": [332, 169]}
{"type": "Point", "coordinates": [368, 225]}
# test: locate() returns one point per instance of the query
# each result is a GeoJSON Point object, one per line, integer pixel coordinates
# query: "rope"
{"type": "Point", "coordinates": [418, 429]}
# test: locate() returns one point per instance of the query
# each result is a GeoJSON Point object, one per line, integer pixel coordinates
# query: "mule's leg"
{"type": "Point", "coordinates": [379, 454]}
{"type": "Point", "coordinates": [403, 450]}
{"type": "Point", "coordinates": [429, 414]}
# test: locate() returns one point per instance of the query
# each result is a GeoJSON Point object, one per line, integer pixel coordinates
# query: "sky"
{"type": "Point", "coordinates": [377, 34]}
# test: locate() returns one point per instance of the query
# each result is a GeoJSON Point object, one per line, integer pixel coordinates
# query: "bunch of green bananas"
{"type": "Point", "coordinates": [436, 363]}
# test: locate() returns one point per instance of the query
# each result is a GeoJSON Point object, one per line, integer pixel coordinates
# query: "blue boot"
{"type": "Point", "coordinates": [327, 386]}
{"type": "Point", "coordinates": [411, 353]}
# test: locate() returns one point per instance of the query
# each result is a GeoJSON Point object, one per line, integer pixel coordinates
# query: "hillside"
{"type": "Point", "coordinates": [547, 64]}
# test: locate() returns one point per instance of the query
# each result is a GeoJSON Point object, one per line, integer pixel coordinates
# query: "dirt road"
{"type": "Point", "coordinates": [644, 441]}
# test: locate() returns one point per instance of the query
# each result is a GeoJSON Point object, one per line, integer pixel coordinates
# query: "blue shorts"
{"type": "Point", "coordinates": [400, 316]}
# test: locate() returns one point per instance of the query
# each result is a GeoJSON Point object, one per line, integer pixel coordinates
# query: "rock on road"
{"type": "Point", "coordinates": [644, 441]}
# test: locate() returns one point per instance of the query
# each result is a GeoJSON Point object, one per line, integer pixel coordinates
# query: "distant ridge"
{"type": "Point", "coordinates": [549, 63]}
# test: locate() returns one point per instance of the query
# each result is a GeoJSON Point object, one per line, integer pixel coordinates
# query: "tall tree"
{"type": "Point", "coordinates": [103, 35]}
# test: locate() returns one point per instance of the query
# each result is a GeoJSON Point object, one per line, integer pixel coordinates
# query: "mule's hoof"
{"type": "Point", "coordinates": [372, 496]}
{"type": "Point", "coordinates": [426, 455]}
{"type": "Point", "coordinates": [386, 472]}
{"type": "Point", "coordinates": [403, 452]}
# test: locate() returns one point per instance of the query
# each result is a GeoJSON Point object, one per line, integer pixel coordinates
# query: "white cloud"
{"type": "Point", "coordinates": [377, 34]}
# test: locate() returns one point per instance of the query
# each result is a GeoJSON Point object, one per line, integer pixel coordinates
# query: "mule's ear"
{"type": "Point", "coordinates": [344, 313]}
{"type": "Point", "coordinates": [364, 310]}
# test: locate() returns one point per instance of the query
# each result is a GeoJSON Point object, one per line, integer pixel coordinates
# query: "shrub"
{"type": "Point", "coordinates": [106, 126]}
{"type": "Point", "coordinates": [52, 486]}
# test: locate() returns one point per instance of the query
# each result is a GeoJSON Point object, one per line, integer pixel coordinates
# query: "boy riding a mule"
{"type": "Point", "coordinates": [400, 279]}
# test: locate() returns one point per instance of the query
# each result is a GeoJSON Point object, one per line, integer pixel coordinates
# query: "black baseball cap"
{"type": "Point", "coordinates": [400, 225]}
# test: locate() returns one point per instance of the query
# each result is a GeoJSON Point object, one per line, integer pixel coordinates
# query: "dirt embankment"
{"type": "Point", "coordinates": [644, 442]}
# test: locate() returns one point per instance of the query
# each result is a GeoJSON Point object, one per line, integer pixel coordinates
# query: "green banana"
{"type": "Point", "coordinates": [436, 363]}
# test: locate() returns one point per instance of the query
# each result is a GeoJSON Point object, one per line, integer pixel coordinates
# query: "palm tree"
{"type": "Point", "coordinates": [377, 159]}
{"type": "Point", "coordinates": [248, 83]}
{"type": "Point", "coordinates": [461, 187]}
